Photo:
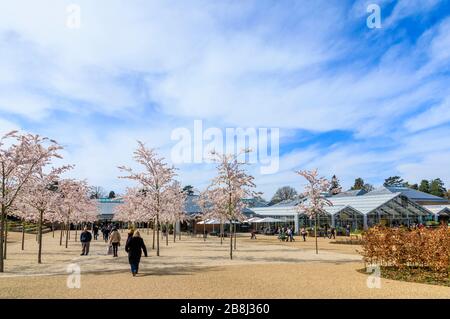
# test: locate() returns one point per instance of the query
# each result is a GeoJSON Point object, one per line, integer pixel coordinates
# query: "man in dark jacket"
{"type": "Point", "coordinates": [95, 230]}
{"type": "Point", "coordinates": [85, 239]}
{"type": "Point", "coordinates": [134, 247]}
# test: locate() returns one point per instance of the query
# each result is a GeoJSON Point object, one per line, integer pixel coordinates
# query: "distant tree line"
{"type": "Point", "coordinates": [434, 186]}
{"type": "Point", "coordinates": [97, 192]}
{"type": "Point", "coordinates": [285, 193]}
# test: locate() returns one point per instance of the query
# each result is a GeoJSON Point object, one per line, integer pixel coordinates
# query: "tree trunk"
{"type": "Point", "coordinates": [167, 234]}
{"type": "Point", "coordinates": [53, 229]}
{"type": "Point", "coordinates": [179, 234]}
{"type": "Point", "coordinates": [6, 238]}
{"type": "Point", "coordinates": [23, 235]}
{"type": "Point", "coordinates": [315, 233]}
{"type": "Point", "coordinates": [2, 228]}
{"type": "Point", "coordinates": [67, 233]}
{"type": "Point", "coordinates": [234, 229]}
{"type": "Point", "coordinates": [174, 233]}
{"type": "Point", "coordinates": [154, 231]}
{"type": "Point", "coordinates": [41, 216]}
{"type": "Point", "coordinates": [231, 241]}
{"type": "Point", "coordinates": [61, 234]}
{"type": "Point", "coordinates": [157, 233]}
{"type": "Point", "coordinates": [221, 233]}
{"type": "Point", "coordinates": [76, 232]}
{"type": "Point", "coordinates": [204, 231]}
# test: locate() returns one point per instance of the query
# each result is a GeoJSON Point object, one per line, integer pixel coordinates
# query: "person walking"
{"type": "Point", "coordinates": [333, 232]}
{"type": "Point", "coordinates": [303, 232]}
{"type": "Point", "coordinates": [105, 231]}
{"type": "Point", "coordinates": [114, 241]}
{"type": "Point", "coordinates": [85, 239]}
{"type": "Point", "coordinates": [95, 230]}
{"type": "Point", "coordinates": [291, 235]}
{"type": "Point", "coordinates": [102, 229]}
{"type": "Point", "coordinates": [134, 247]}
{"type": "Point", "coordinates": [325, 235]}
{"type": "Point", "coordinates": [130, 235]}
{"type": "Point", "coordinates": [347, 230]}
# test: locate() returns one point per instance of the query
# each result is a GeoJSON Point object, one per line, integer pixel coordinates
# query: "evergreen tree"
{"type": "Point", "coordinates": [395, 181]}
{"type": "Point", "coordinates": [335, 186]}
{"type": "Point", "coordinates": [437, 187]}
{"type": "Point", "coordinates": [424, 186]}
{"type": "Point", "coordinates": [112, 195]}
{"type": "Point", "coordinates": [189, 190]}
{"type": "Point", "coordinates": [359, 184]}
{"type": "Point", "coordinates": [414, 186]}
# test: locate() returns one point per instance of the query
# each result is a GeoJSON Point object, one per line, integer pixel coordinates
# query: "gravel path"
{"type": "Point", "coordinates": [192, 268]}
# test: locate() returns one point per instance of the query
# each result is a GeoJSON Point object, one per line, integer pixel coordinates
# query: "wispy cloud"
{"type": "Point", "coordinates": [138, 71]}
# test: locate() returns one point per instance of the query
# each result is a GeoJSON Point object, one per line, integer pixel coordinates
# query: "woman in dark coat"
{"type": "Point", "coordinates": [134, 247]}
{"type": "Point", "coordinates": [130, 235]}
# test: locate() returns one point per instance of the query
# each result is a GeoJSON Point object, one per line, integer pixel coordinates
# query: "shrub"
{"type": "Point", "coordinates": [402, 247]}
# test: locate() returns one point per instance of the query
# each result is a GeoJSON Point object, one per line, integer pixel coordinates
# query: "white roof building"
{"type": "Point", "coordinates": [363, 209]}
{"type": "Point", "coordinates": [439, 210]}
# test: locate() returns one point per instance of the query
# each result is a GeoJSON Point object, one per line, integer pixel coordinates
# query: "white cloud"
{"type": "Point", "coordinates": [7, 126]}
{"type": "Point", "coordinates": [434, 116]}
{"type": "Point", "coordinates": [157, 65]}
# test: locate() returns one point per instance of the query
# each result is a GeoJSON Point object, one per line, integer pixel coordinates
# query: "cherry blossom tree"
{"type": "Point", "coordinates": [173, 199]}
{"type": "Point", "coordinates": [229, 187]}
{"type": "Point", "coordinates": [74, 201]}
{"type": "Point", "coordinates": [156, 177]}
{"type": "Point", "coordinates": [316, 201]}
{"type": "Point", "coordinates": [39, 198]}
{"type": "Point", "coordinates": [86, 211]}
{"type": "Point", "coordinates": [20, 156]}
{"type": "Point", "coordinates": [132, 210]}
{"type": "Point", "coordinates": [24, 217]}
{"type": "Point", "coordinates": [212, 208]}
{"type": "Point", "coordinates": [148, 212]}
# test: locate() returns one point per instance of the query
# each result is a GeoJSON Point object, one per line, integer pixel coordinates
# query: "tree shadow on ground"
{"type": "Point", "coordinates": [293, 260]}
{"type": "Point", "coordinates": [157, 271]}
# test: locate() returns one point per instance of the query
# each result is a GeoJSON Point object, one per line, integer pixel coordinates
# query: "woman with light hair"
{"type": "Point", "coordinates": [134, 247]}
{"type": "Point", "coordinates": [114, 241]}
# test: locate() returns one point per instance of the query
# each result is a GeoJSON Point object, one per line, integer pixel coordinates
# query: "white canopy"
{"type": "Point", "coordinates": [252, 220]}
{"type": "Point", "coordinates": [214, 222]}
{"type": "Point", "coordinates": [267, 220]}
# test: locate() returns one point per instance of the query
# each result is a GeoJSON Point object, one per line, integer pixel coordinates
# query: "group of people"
{"type": "Point", "coordinates": [134, 246]}
{"type": "Point", "coordinates": [106, 230]}
{"type": "Point", "coordinates": [285, 234]}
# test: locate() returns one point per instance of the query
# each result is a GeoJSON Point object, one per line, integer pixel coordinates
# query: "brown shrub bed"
{"type": "Point", "coordinates": [420, 255]}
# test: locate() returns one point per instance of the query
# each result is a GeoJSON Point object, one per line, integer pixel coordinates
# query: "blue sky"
{"type": "Point", "coordinates": [349, 100]}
